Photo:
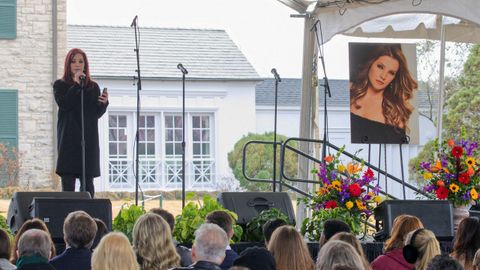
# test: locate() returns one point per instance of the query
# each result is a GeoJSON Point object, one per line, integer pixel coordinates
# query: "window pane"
{"type": "Point", "coordinates": [151, 121]}
{"type": "Point", "coordinates": [112, 135]}
{"type": "Point", "coordinates": [178, 121]}
{"type": "Point", "coordinates": [196, 135]}
{"type": "Point", "coordinates": [122, 121]}
{"type": "Point", "coordinates": [205, 122]}
{"type": "Point", "coordinates": [168, 121]}
{"type": "Point", "coordinates": [141, 134]}
{"type": "Point", "coordinates": [122, 134]}
{"type": "Point", "coordinates": [112, 149]}
{"type": "Point", "coordinates": [206, 148]}
{"type": "Point", "coordinates": [196, 149]}
{"type": "Point", "coordinates": [205, 135]}
{"type": "Point", "coordinates": [178, 135]}
{"type": "Point", "coordinates": [178, 148]}
{"type": "Point", "coordinates": [112, 121]}
{"type": "Point", "coordinates": [196, 121]}
{"type": "Point", "coordinates": [169, 149]}
{"type": "Point", "coordinates": [151, 135]}
{"type": "Point", "coordinates": [122, 149]}
{"type": "Point", "coordinates": [151, 148]}
{"type": "Point", "coordinates": [169, 135]}
{"type": "Point", "coordinates": [141, 149]}
{"type": "Point", "coordinates": [141, 121]}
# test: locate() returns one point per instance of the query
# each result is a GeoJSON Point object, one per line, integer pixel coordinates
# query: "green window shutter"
{"type": "Point", "coordinates": [9, 117]}
{"type": "Point", "coordinates": [8, 19]}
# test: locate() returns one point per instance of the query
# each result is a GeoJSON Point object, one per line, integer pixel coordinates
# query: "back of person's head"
{"type": "Point", "coordinates": [333, 226]}
{"type": "Point", "coordinates": [476, 260]}
{"type": "Point", "coordinates": [355, 243]}
{"type": "Point", "coordinates": [337, 253]}
{"type": "Point", "coordinates": [210, 244]}
{"type": "Point", "coordinates": [222, 219]}
{"type": "Point", "coordinates": [239, 268]}
{"type": "Point", "coordinates": [402, 225]}
{"type": "Point", "coordinates": [167, 216]}
{"type": "Point", "coordinates": [102, 230]}
{"type": "Point", "coordinates": [444, 262]}
{"type": "Point", "coordinates": [270, 226]}
{"type": "Point", "coordinates": [289, 249]}
{"type": "Point", "coordinates": [114, 252]}
{"type": "Point", "coordinates": [79, 230]}
{"type": "Point", "coordinates": [34, 242]}
{"type": "Point", "coordinates": [256, 258]}
{"type": "Point", "coordinates": [33, 223]}
{"type": "Point", "coordinates": [467, 240]}
{"type": "Point", "coordinates": [343, 267]}
{"type": "Point", "coordinates": [4, 245]}
{"type": "Point", "coordinates": [424, 246]}
{"type": "Point", "coordinates": [152, 241]}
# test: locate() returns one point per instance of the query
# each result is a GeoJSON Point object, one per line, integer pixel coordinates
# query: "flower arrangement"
{"type": "Point", "coordinates": [342, 194]}
{"type": "Point", "coordinates": [452, 172]}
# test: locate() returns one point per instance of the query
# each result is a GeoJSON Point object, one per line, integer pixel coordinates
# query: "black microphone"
{"type": "Point", "coordinates": [275, 74]}
{"type": "Point", "coordinates": [314, 25]}
{"type": "Point", "coordinates": [134, 22]}
{"type": "Point", "coordinates": [184, 70]}
{"type": "Point", "coordinates": [82, 80]}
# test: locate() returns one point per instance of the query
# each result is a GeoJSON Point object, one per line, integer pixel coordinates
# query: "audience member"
{"type": "Point", "coordinates": [467, 242]}
{"type": "Point", "coordinates": [270, 226]}
{"type": "Point", "coordinates": [352, 240]}
{"type": "Point", "coordinates": [152, 242]}
{"type": "Point", "coordinates": [224, 221]}
{"type": "Point", "coordinates": [256, 258]}
{"type": "Point", "coordinates": [102, 230]}
{"type": "Point", "coordinates": [208, 250]}
{"type": "Point", "coordinates": [34, 250]}
{"type": "Point", "coordinates": [330, 228]}
{"type": "Point", "coordinates": [476, 260]}
{"type": "Point", "coordinates": [393, 258]}
{"type": "Point", "coordinates": [289, 249]}
{"type": "Point", "coordinates": [421, 247]}
{"type": "Point", "coordinates": [5, 245]}
{"type": "Point", "coordinates": [338, 255]}
{"type": "Point", "coordinates": [34, 223]}
{"type": "Point", "coordinates": [79, 231]}
{"type": "Point", "coordinates": [444, 262]}
{"type": "Point", "coordinates": [114, 252]}
{"type": "Point", "coordinates": [238, 268]}
{"type": "Point", "coordinates": [184, 253]}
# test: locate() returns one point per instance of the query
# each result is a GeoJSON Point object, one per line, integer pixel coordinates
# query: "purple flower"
{"type": "Point", "coordinates": [425, 165]}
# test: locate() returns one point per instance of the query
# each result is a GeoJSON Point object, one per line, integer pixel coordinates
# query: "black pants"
{"type": "Point", "coordinates": [68, 184]}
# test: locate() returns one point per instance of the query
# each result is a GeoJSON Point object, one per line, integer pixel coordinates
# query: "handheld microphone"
{"type": "Point", "coordinates": [134, 22]}
{"type": "Point", "coordinates": [275, 74]}
{"type": "Point", "coordinates": [82, 77]}
{"type": "Point", "coordinates": [184, 70]}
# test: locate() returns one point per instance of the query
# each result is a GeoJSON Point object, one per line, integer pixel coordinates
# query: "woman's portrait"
{"type": "Point", "coordinates": [382, 91]}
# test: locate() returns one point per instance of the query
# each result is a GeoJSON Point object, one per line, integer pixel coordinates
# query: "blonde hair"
{"type": "Point", "coordinates": [289, 249]}
{"type": "Point", "coordinates": [402, 225]}
{"type": "Point", "coordinates": [337, 253]}
{"type": "Point", "coordinates": [355, 243]}
{"type": "Point", "coordinates": [114, 252]}
{"type": "Point", "coordinates": [426, 245]}
{"type": "Point", "coordinates": [476, 260]}
{"type": "Point", "coordinates": [152, 241]}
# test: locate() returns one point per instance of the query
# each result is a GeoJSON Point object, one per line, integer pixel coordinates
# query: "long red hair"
{"type": "Point", "coordinates": [67, 71]}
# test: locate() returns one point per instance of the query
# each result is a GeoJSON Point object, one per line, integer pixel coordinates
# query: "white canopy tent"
{"type": "Point", "coordinates": [445, 20]}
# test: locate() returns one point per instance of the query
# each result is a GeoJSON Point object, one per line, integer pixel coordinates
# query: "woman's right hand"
{"type": "Point", "coordinates": [76, 76]}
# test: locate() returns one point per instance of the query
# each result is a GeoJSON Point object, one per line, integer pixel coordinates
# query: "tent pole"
{"type": "Point", "coordinates": [441, 87]}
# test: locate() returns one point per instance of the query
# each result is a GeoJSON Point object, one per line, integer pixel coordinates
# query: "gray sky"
{"type": "Point", "coordinates": [262, 29]}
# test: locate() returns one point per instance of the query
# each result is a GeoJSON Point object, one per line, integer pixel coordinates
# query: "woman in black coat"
{"type": "Point", "coordinates": [67, 91]}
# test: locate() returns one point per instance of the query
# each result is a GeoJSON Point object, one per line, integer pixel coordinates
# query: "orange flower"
{"type": "Point", "coordinates": [440, 183]}
{"type": "Point", "coordinates": [451, 143]}
{"type": "Point", "coordinates": [322, 191]}
{"type": "Point", "coordinates": [470, 171]}
{"type": "Point", "coordinates": [437, 167]}
{"type": "Point", "coordinates": [353, 168]}
{"type": "Point", "coordinates": [328, 159]}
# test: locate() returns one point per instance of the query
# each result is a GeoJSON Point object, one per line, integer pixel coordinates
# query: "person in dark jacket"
{"type": "Point", "coordinates": [34, 249]}
{"type": "Point", "coordinates": [79, 231]}
{"type": "Point", "coordinates": [67, 92]}
{"type": "Point", "coordinates": [208, 250]}
{"type": "Point", "coordinates": [224, 221]}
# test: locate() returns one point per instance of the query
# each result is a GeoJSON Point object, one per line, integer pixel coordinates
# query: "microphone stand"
{"type": "Point", "coordinates": [184, 72]}
{"type": "Point", "coordinates": [277, 80]}
{"type": "Point", "coordinates": [326, 85]}
{"type": "Point", "coordinates": [82, 116]}
{"type": "Point", "coordinates": [139, 87]}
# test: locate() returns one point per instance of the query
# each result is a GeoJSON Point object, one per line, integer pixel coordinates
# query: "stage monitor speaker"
{"type": "Point", "coordinates": [54, 211]}
{"type": "Point", "coordinates": [19, 209]}
{"type": "Point", "coordinates": [435, 216]}
{"type": "Point", "coordinates": [247, 205]}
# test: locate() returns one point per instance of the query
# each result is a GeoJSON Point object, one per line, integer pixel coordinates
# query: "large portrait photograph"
{"type": "Point", "coordinates": [383, 88]}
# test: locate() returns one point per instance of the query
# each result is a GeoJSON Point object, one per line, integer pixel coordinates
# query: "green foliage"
{"type": "Point", "coordinates": [126, 219]}
{"type": "Point", "coordinates": [471, 69]}
{"type": "Point", "coordinates": [254, 229]}
{"type": "Point", "coordinates": [260, 160]}
{"type": "Point", "coordinates": [193, 216]}
{"type": "Point", "coordinates": [424, 154]}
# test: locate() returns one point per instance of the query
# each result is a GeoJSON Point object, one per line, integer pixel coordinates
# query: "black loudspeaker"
{"type": "Point", "coordinates": [435, 216]}
{"type": "Point", "coordinates": [20, 205]}
{"type": "Point", "coordinates": [248, 205]}
{"type": "Point", "coordinates": [54, 211]}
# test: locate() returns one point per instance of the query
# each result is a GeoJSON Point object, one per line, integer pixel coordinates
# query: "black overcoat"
{"type": "Point", "coordinates": [69, 128]}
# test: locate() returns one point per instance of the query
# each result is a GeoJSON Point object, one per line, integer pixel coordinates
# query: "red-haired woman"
{"type": "Point", "coordinates": [67, 92]}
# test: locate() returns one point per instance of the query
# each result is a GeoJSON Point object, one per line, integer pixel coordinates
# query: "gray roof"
{"type": "Point", "coordinates": [206, 54]}
{"type": "Point", "coordinates": [289, 94]}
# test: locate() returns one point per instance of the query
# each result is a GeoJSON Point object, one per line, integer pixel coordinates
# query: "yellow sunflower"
{"type": "Point", "coordinates": [349, 205]}
{"type": "Point", "coordinates": [360, 205]}
{"type": "Point", "coordinates": [454, 188]}
{"type": "Point", "coordinates": [470, 162]}
{"type": "Point", "coordinates": [336, 185]}
{"type": "Point", "coordinates": [473, 194]}
{"type": "Point", "coordinates": [427, 176]}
